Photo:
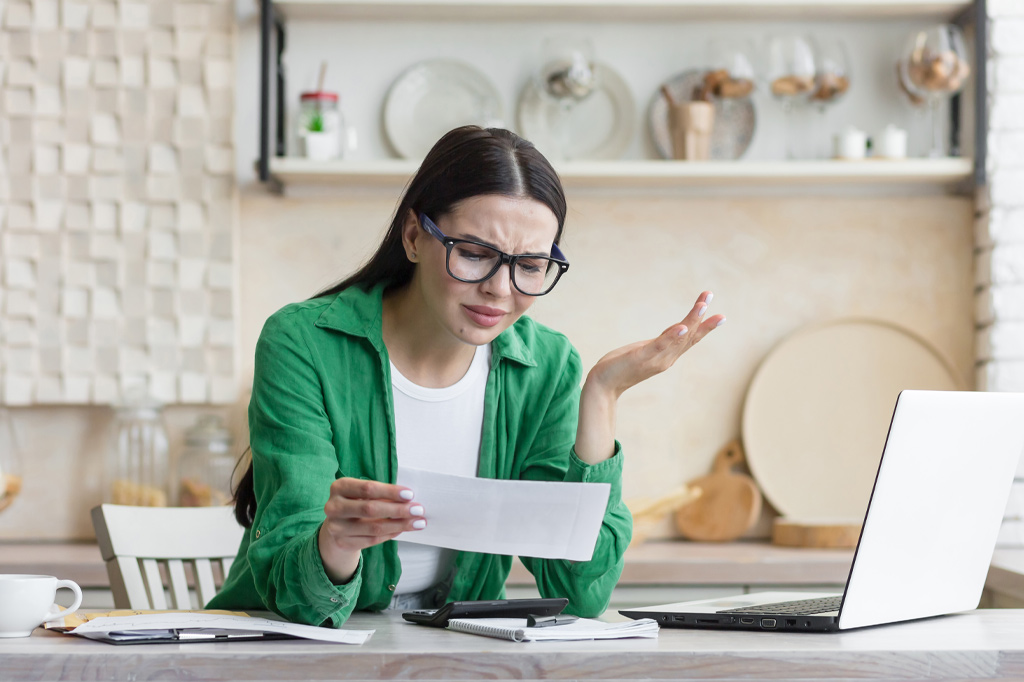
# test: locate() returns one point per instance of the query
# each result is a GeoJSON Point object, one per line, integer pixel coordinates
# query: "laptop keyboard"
{"type": "Point", "coordinates": [800, 607]}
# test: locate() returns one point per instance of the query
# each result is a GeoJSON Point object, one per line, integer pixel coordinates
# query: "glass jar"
{"type": "Point", "coordinates": [137, 465]}
{"type": "Point", "coordinates": [320, 125]}
{"type": "Point", "coordinates": [10, 469]}
{"type": "Point", "coordinates": [206, 464]}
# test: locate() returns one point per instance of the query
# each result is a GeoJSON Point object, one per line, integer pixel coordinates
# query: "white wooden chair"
{"type": "Point", "coordinates": [141, 544]}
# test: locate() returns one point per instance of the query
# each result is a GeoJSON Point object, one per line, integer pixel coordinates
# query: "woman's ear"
{"type": "Point", "coordinates": [411, 234]}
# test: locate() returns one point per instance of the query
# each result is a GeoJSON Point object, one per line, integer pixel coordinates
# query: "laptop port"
{"type": "Point", "coordinates": [746, 621]}
{"type": "Point", "coordinates": [767, 622]}
{"type": "Point", "coordinates": [791, 622]}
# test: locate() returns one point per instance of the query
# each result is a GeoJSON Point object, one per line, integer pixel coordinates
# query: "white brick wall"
{"type": "Point", "coordinates": [999, 233]}
{"type": "Point", "coordinates": [111, 152]}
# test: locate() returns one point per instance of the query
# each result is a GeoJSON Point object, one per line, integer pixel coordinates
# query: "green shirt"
{"type": "Point", "coordinates": [322, 408]}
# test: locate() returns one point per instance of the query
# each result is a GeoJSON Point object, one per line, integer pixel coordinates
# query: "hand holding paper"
{"type": "Point", "coordinates": [542, 519]}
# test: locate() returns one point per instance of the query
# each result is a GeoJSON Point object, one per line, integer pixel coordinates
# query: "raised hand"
{"type": "Point", "coordinates": [627, 366]}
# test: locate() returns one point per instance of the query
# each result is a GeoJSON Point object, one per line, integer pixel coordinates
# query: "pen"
{"type": "Point", "coordinates": [547, 621]}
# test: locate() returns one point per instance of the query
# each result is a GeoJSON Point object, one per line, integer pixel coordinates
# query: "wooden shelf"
{"type": "Point", "coordinates": [654, 174]}
{"type": "Point", "coordinates": [622, 10]}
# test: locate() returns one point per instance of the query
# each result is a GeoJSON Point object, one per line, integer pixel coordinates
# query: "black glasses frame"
{"type": "Point", "coordinates": [557, 257]}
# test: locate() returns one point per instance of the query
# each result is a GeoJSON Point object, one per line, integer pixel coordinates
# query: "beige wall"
{"type": "Point", "coordinates": [775, 264]}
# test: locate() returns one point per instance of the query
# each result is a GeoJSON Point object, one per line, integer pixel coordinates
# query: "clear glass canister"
{"type": "Point", "coordinates": [137, 465]}
{"type": "Point", "coordinates": [320, 125]}
{"type": "Point", "coordinates": [10, 464]}
{"type": "Point", "coordinates": [206, 464]}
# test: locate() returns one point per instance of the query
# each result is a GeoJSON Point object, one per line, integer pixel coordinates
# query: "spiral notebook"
{"type": "Point", "coordinates": [515, 629]}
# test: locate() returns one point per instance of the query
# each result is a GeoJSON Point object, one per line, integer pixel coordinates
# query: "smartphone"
{"type": "Point", "coordinates": [498, 608]}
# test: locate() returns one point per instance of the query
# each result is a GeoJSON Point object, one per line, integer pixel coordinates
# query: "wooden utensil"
{"type": "Point", "coordinates": [730, 502]}
{"type": "Point", "coordinates": [648, 513]}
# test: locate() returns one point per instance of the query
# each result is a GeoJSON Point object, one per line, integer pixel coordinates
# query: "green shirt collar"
{"type": "Point", "coordinates": [357, 311]}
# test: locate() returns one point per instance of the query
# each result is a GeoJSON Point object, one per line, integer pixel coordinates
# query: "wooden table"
{"type": "Point", "coordinates": [986, 644]}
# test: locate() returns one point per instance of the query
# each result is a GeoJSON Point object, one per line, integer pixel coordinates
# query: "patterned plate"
{"type": "Point", "coordinates": [734, 118]}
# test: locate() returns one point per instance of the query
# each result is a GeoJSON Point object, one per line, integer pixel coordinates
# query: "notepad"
{"type": "Point", "coordinates": [515, 629]}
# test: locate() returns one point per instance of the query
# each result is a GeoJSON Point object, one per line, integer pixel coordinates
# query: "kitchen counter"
{"type": "Point", "coordinates": [1005, 584]}
{"type": "Point", "coordinates": [650, 567]}
{"type": "Point", "coordinates": [651, 563]}
{"type": "Point", "coordinates": [982, 644]}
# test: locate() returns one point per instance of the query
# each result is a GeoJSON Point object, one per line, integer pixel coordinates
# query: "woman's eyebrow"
{"type": "Point", "coordinates": [474, 238]}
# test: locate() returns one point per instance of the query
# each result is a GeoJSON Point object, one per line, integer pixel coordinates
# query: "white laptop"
{"type": "Point", "coordinates": [929, 531]}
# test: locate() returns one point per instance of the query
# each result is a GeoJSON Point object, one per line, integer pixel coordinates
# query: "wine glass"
{"type": "Point", "coordinates": [831, 82]}
{"type": "Point", "coordinates": [934, 66]}
{"type": "Point", "coordinates": [568, 69]}
{"type": "Point", "coordinates": [790, 71]}
{"type": "Point", "coordinates": [10, 469]}
{"type": "Point", "coordinates": [731, 74]}
{"type": "Point", "coordinates": [567, 77]}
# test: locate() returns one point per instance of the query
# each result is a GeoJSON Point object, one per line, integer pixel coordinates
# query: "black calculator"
{"type": "Point", "coordinates": [497, 608]}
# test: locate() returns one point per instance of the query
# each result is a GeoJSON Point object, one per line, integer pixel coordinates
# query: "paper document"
{"type": "Point", "coordinates": [540, 519]}
{"type": "Point", "coordinates": [150, 626]}
{"type": "Point", "coordinates": [584, 628]}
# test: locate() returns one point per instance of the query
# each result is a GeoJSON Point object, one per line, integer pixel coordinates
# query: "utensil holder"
{"type": "Point", "coordinates": [690, 124]}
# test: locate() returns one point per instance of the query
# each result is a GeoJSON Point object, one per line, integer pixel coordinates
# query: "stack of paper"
{"type": "Point", "coordinates": [183, 627]}
{"type": "Point", "coordinates": [516, 629]}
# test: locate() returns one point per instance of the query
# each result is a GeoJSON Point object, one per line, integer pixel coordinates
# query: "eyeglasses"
{"type": "Point", "coordinates": [471, 262]}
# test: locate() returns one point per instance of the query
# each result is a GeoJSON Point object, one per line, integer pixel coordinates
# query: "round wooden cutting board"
{"type": "Point", "coordinates": [818, 409]}
{"type": "Point", "coordinates": [729, 502]}
{"type": "Point", "coordinates": [837, 533]}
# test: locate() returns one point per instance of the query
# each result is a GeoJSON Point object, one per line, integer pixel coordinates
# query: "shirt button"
{"type": "Point", "coordinates": [257, 535]}
{"type": "Point", "coordinates": [391, 587]}
{"type": "Point", "coordinates": [334, 599]}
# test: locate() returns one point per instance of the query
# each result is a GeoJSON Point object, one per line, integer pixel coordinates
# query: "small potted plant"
{"type": "Point", "coordinates": [321, 144]}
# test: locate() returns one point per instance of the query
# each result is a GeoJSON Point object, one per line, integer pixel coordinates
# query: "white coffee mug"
{"type": "Point", "coordinates": [27, 601]}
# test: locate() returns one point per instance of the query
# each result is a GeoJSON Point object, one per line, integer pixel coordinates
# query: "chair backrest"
{"type": "Point", "coordinates": [143, 545]}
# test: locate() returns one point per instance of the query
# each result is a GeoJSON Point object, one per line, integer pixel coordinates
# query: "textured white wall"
{"type": "Point", "coordinates": [118, 203]}
{"type": "Point", "coordinates": [999, 233]}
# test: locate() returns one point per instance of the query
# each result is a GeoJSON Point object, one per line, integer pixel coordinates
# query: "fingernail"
{"type": "Point", "coordinates": [720, 322]}
{"type": "Point", "coordinates": [405, 494]}
{"type": "Point", "coordinates": [701, 310]}
{"type": "Point", "coordinates": [417, 510]}
{"type": "Point", "coordinates": [710, 296]}
{"type": "Point", "coordinates": [682, 331]}
{"type": "Point", "coordinates": [419, 525]}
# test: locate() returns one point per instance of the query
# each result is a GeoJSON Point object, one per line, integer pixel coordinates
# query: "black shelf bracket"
{"type": "Point", "coordinates": [975, 16]}
{"type": "Point", "coordinates": [272, 46]}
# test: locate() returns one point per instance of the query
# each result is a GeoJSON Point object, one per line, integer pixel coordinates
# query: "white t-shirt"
{"type": "Point", "coordinates": [438, 429]}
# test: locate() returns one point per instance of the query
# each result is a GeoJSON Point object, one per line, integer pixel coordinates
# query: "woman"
{"type": "Point", "coordinates": [423, 357]}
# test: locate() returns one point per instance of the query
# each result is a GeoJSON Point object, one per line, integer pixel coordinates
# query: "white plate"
{"type": "Point", "coordinates": [434, 96]}
{"type": "Point", "coordinates": [599, 127]}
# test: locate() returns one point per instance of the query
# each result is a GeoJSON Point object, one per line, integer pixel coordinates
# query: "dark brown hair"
{"type": "Point", "coordinates": [467, 162]}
